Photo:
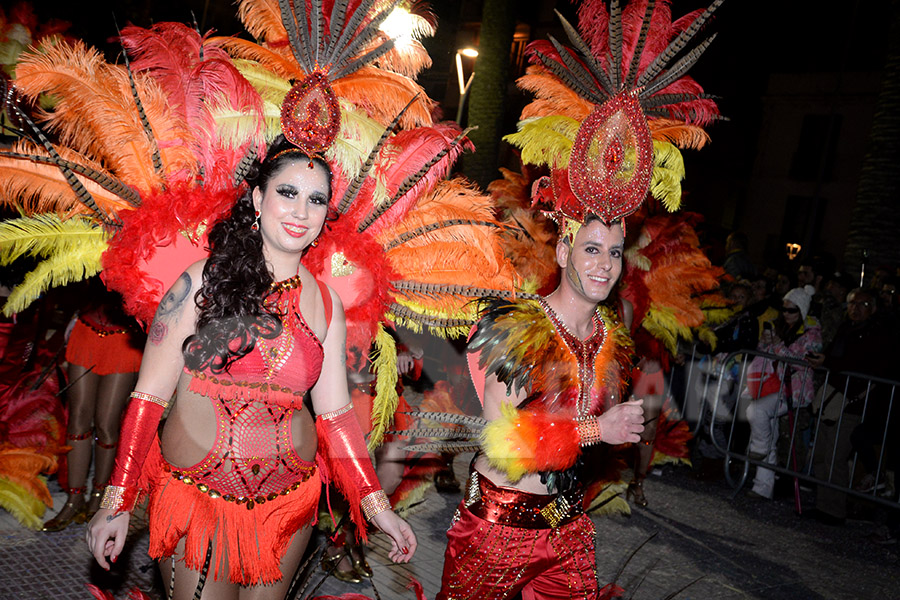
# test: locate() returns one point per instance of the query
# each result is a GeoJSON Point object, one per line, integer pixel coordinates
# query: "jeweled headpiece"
{"type": "Point", "coordinates": [610, 114]}
{"type": "Point", "coordinates": [310, 113]}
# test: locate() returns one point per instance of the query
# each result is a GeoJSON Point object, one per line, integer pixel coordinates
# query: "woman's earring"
{"type": "Point", "coordinates": [255, 226]}
{"type": "Point", "coordinates": [315, 243]}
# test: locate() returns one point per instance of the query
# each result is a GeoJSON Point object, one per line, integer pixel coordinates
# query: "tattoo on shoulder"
{"type": "Point", "coordinates": [169, 309]}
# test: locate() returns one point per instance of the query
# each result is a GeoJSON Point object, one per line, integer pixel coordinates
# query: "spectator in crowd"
{"type": "Point", "coordinates": [890, 304]}
{"type": "Point", "coordinates": [862, 344]}
{"type": "Point", "coordinates": [738, 333]}
{"type": "Point", "coordinates": [737, 260]}
{"type": "Point", "coordinates": [834, 305]}
{"type": "Point", "coordinates": [771, 386]}
{"type": "Point", "coordinates": [763, 305]}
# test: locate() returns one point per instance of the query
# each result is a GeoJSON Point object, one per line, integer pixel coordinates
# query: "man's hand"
{"type": "Point", "coordinates": [622, 423]}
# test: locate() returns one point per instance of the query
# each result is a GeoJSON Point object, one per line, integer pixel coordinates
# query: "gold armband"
{"type": "Point", "coordinates": [589, 431]}
{"type": "Point", "coordinates": [375, 503]}
{"type": "Point", "coordinates": [150, 398]}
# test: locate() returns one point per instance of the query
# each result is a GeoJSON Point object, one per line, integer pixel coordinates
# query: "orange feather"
{"type": "Point", "coordinates": [278, 60]}
{"type": "Point", "coordinates": [678, 133]}
{"type": "Point", "coordinates": [262, 19]}
{"type": "Point", "coordinates": [36, 187]}
{"type": "Point", "coordinates": [96, 115]}
{"type": "Point", "coordinates": [383, 95]}
{"type": "Point", "coordinates": [552, 96]}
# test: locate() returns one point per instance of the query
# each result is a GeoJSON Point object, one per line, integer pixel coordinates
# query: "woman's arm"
{"type": "Point", "coordinates": [161, 367]}
{"type": "Point", "coordinates": [348, 459]}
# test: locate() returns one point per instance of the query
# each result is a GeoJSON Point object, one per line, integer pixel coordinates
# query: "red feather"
{"type": "Point", "coordinates": [170, 53]}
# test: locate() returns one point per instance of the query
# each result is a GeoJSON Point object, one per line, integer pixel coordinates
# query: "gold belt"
{"type": "Point", "coordinates": [515, 508]}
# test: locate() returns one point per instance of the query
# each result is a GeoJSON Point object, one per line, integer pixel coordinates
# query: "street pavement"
{"type": "Point", "coordinates": [693, 529]}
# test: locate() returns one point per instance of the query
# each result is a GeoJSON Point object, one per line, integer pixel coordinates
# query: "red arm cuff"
{"type": "Point", "coordinates": [138, 431]}
{"type": "Point", "coordinates": [347, 460]}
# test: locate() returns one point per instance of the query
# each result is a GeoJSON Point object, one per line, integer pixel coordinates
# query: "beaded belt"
{"type": "Point", "coordinates": [516, 508]}
{"type": "Point", "coordinates": [248, 501]}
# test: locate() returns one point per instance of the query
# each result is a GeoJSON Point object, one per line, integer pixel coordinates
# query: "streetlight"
{"type": "Point", "coordinates": [464, 86]}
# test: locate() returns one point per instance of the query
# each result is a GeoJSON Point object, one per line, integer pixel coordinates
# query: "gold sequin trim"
{"type": "Point", "coordinates": [149, 398]}
{"type": "Point", "coordinates": [336, 413]}
{"type": "Point", "coordinates": [247, 501]}
{"type": "Point", "coordinates": [375, 503]}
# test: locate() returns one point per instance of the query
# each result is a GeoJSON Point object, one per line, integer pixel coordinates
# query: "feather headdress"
{"type": "Point", "coordinates": [410, 247]}
{"type": "Point", "coordinates": [589, 121]}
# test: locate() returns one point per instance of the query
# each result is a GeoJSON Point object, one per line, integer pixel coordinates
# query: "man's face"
{"type": "Point", "coordinates": [805, 276]}
{"type": "Point", "coordinates": [860, 307]}
{"type": "Point", "coordinates": [592, 265]}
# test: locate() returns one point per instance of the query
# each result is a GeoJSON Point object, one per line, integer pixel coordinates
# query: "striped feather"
{"type": "Point", "coordinates": [40, 187]}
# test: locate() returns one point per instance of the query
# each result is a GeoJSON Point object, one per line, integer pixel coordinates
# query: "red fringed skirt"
{"type": "Point", "coordinates": [249, 539]}
{"type": "Point", "coordinates": [107, 352]}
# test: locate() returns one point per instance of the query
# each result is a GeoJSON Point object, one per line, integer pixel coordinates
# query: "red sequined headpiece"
{"type": "Point", "coordinates": [589, 123]}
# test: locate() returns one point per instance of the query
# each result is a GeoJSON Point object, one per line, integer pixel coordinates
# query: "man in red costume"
{"type": "Point", "coordinates": [527, 531]}
{"type": "Point", "coordinates": [550, 371]}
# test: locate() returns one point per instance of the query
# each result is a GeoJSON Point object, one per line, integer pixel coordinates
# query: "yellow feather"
{"type": "Point", "coordinates": [545, 140]}
{"type": "Point", "coordinates": [45, 235]}
{"type": "Point", "coordinates": [384, 405]}
{"type": "Point", "coordinates": [668, 171]}
{"type": "Point", "coordinates": [357, 137]}
{"type": "Point", "coordinates": [270, 86]}
{"type": "Point", "coordinates": [22, 505]}
{"type": "Point", "coordinates": [611, 501]}
{"type": "Point", "coordinates": [60, 269]}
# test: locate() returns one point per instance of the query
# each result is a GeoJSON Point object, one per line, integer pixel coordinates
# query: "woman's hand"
{"type": "Point", "coordinates": [815, 359]}
{"type": "Point", "coordinates": [403, 540]}
{"type": "Point", "coordinates": [106, 535]}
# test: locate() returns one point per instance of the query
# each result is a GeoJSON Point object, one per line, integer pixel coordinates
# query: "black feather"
{"type": "Point", "coordinates": [615, 43]}
{"type": "Point", "coordinates": [678, 69]}
{"type": "Point", "coordinates": [676, 45]}
{"type": "Point", "coordinates": [585, 52]}
{"type": "Point", "coordinates": [588, 85]}
{"type": "Point", "coordinates": [356, 184]}
{"type": "Point", "coordinates": [639, 46]}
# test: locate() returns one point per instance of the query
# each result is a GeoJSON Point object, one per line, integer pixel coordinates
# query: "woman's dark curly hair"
{"type": "Point", "coordinates": [236, 279]}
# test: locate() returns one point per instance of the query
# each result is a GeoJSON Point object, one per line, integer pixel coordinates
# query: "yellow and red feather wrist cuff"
{"type": "Point", "coordinates": [527, 441]}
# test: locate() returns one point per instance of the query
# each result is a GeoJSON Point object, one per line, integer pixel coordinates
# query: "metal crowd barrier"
{"type": "Point", "coordinates": [717, 398]}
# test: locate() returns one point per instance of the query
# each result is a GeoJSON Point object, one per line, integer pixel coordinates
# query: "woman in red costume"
{"type": "Point", "coordinates": [239, 339]}
{"type": "Point", "coordinates": [103, 354]}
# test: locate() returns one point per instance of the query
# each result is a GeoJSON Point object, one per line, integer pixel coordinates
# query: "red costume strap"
{"type": "Point", "coordinates": [326, 298]}
{"type": "Point", "coordinates": [138, 431]}
{"type": "Point", "coordinates": [347, 464]}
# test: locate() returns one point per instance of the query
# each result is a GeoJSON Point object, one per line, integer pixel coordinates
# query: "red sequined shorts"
{"type": "Point", "coordinates": [513, 551]}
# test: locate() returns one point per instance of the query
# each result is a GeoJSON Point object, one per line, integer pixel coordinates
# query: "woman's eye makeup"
{"type": "Point", "coordinates": [318, 198]}
{"type": "Point", "coordinates": [288, 191]}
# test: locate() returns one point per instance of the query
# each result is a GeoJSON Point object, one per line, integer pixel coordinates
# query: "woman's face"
{"type": "Point", "coordinates": [293, 206]}
{"type": "Point", "coordinates": [791, 312]}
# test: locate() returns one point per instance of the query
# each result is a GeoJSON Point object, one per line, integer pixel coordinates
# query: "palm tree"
{"type": "Point", "coordinates": [876, 219]}
{"type": "Point", "coordinates": [487, 99]}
